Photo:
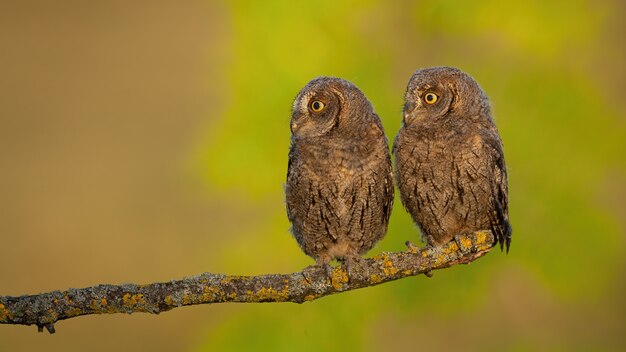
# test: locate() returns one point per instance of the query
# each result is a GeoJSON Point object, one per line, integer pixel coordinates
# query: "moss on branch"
{"type": "Point", "coordinates": [45, 309]}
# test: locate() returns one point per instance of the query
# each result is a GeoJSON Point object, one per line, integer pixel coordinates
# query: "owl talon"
{"type": "Point", "coordinates": [429, 249]}
{"type": "Point", "coordinates": [328, 271]}
{"type": "Point", "coordinates": [411, 247]}
{"type": "Point", "coordinates": [312, 272]}
{"type": "Point", "coordinates": [306, 273]}
{"type": "Point", "coordinates": [356, 267]}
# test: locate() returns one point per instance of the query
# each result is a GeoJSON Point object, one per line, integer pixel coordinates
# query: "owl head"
{"type": "Point", "coordinates": [438, 93]}
{"type": "Point", "coordinates": [326, 104]}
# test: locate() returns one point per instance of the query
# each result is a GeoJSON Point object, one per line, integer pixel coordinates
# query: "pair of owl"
{"type": "Point", "coordinates": [449, 165]}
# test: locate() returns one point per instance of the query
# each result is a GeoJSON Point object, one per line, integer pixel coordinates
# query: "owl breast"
{"type": "Point", "coordinates": [444, 182]}
{"type": "Point", "coordinates": [339, 197]}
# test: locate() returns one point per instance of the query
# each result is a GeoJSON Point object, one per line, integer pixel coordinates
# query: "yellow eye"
{"type": "Point", "coordinates": [430, 98]}
{"type": "Point", "coordinates": [317, 106]}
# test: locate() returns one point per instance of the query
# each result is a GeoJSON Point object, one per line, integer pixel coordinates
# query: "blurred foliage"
{"type": "Point", "coordinates": [563, 139]}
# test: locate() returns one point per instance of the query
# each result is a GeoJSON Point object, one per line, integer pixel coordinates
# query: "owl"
{"type": "Point", "coordinates": [339, 189]}
{"type": "Point", "coordinates": [449, 158]}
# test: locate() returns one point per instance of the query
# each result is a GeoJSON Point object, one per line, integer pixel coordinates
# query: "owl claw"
{"type": "Point", "coordinates": [429, 249]}
{"type": "Point", "coordinates": [307, 275]}
{"type": "Point", "coordinates": [412, 248]}
{"type": "Point", "coordinates": [312, 272]}
{"type": "Point", "coordinates": [328, 271]}
{"type": "Point", "coordinates": [356, 267]}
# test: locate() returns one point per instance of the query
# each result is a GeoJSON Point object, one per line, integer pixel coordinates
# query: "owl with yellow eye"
{"type": "Point", "coordinates": [450, 166]}
{"type": "Point", "coordinates": [339, 189]}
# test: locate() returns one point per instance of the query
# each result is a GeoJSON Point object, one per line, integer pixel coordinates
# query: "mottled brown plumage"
{"type": "Point", "coordinates": [449, 158]}
{"type": "Point", "coordinates": [339, 181]}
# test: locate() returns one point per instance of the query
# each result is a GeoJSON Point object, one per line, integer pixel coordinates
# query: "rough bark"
{"type": "Point", "coordinates": [45, 309]}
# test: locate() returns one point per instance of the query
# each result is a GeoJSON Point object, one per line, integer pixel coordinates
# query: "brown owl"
{"type": "Point", "coordinates": [449, 159]}
{"type": "Point", "coordinates": [339, 179]}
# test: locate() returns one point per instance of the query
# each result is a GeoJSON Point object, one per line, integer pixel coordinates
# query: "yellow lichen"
{"type": "Point", "coordinates": [270, 294]}
{"type": "Point", "coordinates": [310, 297]}
{"type": "Point", "coordinates": [229, 279]}
{"type": "Point", "coordinates": [104, 303]}
{"type": "Point", "coordinates": [4, 313]}
{"type": "Point", "coordinates": [133, 300]}
{"type": "Point", "coordinates": [374, 279]}
{"type": "Point", "coordinates": [53, 314]}
{"type": "Point", "coordinates": [388, 267]}
{"type": "Point", "coordinates": [382, 256]}
{"type": "Point", "coordinates": [74, 312]}
{"type": "Point", "coordinates": [186, 300]}
{"type": "Point", "coordinates": [207, 295]}
{"type": "Point", "coordinates": [338, 278]}
{"type": "Point", "coordinates": [266, 293]}
{"type": "Point", "coordinates": [452, 247]}
{"type": "Point", "coordinates": [210, 293]}
{"type": "Point", "coordinates": [67, 298]}
{"type": "Point", "coordinates": [481, 237]}
{"type": "Point", "coordinates": [169, 300]}
{"type": "Point", "coordinates": [484, 247]}
{"type": "Point", "coordinates": [95, 307]}
{"type": "Point", "coordinates": [439, 260]}
{"type": "Point", "coordinates": [444, 253]}
{"type": "Point", "coordinates": [466, 242]}
{"type": "Point", "coordinates": [407, 272]}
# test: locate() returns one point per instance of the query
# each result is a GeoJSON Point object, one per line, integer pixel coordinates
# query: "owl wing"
{"type": "Point", "coordinates": [387, 171]}
{"type": "Point", "coordinates": [288, 186]}
{"type": "Point", "coordinates": [309, 208]}
{"type": "Point", "coordinates": [384, 174]}
{"type": "Point", "coordinates": [389, 193]}
{"type": "Point", "coordinates": [499, 216]}
{"type": "Point", "coordinates": [371, 201]}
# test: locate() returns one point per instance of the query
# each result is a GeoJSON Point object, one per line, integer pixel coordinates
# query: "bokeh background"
{"type": "Point", "coordinates": [144, 141]}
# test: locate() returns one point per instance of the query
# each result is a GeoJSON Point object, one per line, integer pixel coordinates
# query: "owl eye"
{"type": "Point", "coordinates": [430, 98]}
{"type": "Point", "coordinates": [317, 106]}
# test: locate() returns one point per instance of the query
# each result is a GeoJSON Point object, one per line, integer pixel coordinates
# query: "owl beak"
{"type": "Point", "coordinates": [411, 104]}
{"type": "Point", "coordinates": [409, 107]}
{"type": "Point", "coordinates": [294, 127]}
{"type": "Point", "coordinates": [406, 119]}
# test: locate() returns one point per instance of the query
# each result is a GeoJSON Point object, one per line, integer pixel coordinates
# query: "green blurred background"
{"type": "Point", "coordinates": [146, 141]}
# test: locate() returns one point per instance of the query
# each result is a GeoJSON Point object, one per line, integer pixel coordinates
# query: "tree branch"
{"type": "Point", "coordinates": [312, 283]}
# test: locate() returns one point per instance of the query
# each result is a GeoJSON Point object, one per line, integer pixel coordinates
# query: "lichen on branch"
{"type": "Point", "coordinates": [45, 309]}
